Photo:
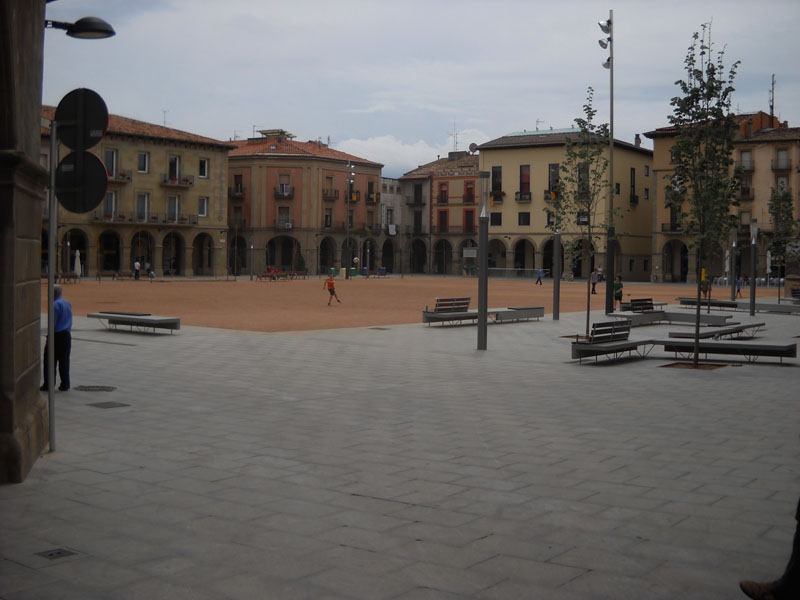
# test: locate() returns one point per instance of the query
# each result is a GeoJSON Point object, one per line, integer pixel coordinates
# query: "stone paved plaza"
{"type": "Point", "coordinates": [400, 462]}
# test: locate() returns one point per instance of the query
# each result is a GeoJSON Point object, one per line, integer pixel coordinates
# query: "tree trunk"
{"type": "Point", "coordinates": [696, 360]}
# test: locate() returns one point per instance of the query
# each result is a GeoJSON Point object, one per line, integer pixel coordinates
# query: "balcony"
{"type": "Point", "coordinates": [284, 224]}
{"type": "Point", "coordinates": [372, 198]}
{"type": "Point", "coordinates": [745, 194]}
{"type": "Point", "coordinates": [469, 198]}
{"type": "Point", "coordinates": [236, 192]}
{"type": "Point", "coordinates": [550, 195]}
{"type": "Point", "coordinates": [634, 200]}
{"type": "Point", "coordinates": [120, 177]}
{"type": "Point", "coordinates": [441, 198]}
{"type": "Point", "coordinates": [284, 192]}
{"type": "Point", "coordinates": [522, 196]}
{"type": "Point", "coordinates": [782, 164]}
{"type": "Point", "coordinates": [150, 218]}
{"type": "Point", "coordinates": [354, 197]}
{"type": "Point", "coordinates": [183, 181]}
{"type": "Point", "coordinates": [746, 166]}
{"type": "Point", "coordinates": [330, 195]}
{"type": "Point", "coordinates": [671, 228]}
{"type": "Point", "coordinates": [415, 201]}
{"type": "Point", "coordinates": [415, 230]}
{"type": "Point", "coordinates": [453, 229]}
{"type": "Point", "coordinates": [496, 196]}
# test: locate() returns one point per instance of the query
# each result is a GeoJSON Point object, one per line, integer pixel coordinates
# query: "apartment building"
{"type": "Point", "coordinates": [768, 153]}
{"type": "Point", "coordinates": [165, 205]}
{"type": "Point", "coordinates": [441, 210]}
{"type": "Point", "coordinates": [524, 169]}
{"type": "Point", "coordinates": [303, 205]}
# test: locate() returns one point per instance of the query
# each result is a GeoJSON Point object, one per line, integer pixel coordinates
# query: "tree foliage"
{"type": "Point", "coordinates": [785, 229]}
{"type": "Point", "coordinates": [581, 188]}
{"type": "Point", "coordinates": [702, 187]}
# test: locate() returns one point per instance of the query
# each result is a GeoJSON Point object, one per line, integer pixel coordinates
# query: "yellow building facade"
{"type": "Point", "coordinates": [524, 168]}
{"type": "Point", "coordinates": [165, 205]}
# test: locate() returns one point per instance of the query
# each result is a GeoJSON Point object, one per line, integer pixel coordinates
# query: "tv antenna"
{"type": "Point", "coordinates": [454, 135]}
{"type": "Point", "coordinates": [537, 123]}
{"type": "Point", "coordinates": [772, 99]}
{"type": "Point", "coordinates": [165, 111]}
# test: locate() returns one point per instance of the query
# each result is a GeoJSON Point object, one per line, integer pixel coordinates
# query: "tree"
{"type": "Point", "coordinates": [785, 229]}
{"type": "Point", "coordinates": [582, 186]}
{"type": "Point", "coordinates": [703, 184]}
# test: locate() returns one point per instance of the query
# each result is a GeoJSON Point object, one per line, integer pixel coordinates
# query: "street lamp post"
{"type": "Point", "coordinates": [251, 257]}
{"type": "Point", "coordinates": [753, 257]}
{"type": "Point", "coordinates": [556, 271]}
{"type": "Point", "coordinates": [350, 180]}
{"type": "Point", "coordinates": [607, 27]}
{"type": "Point", "coordinates": [483, 262]}
{"type": "Point", "coordinates": [732, 267]}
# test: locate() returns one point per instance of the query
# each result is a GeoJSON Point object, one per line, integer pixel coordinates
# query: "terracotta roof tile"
{"type": "Point", "coordinates": [285, 146]}
{"type": "Point", "coordinates": [118, 125]}
{"type": "Point", "coordinates": [445, 167]}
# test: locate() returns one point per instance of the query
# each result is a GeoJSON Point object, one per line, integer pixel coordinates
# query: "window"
{"type": "Point", "coordinates": [109, 205]}
{"type": "Point", "coordinates": [747, 159]}
{"type": "Point", "coordinates": [329, 183]}
{"type": "Point", "coordinates": [350, 218]}
{"type": "Point", "coordinates": [202, 168]}
{"type": "Point", "coordinates": [631, 265]}
{"type": "Point", "coordinates": [633, 181]}
{"type": "Point", "coordinates": [783, 161]}
{"type": "Point", "coordinates": [646, 265]}
{"type": "Point", "coordinates": [469, 192]}
{"type": "Point", "coordinates": [551, 219]}
{"type": "Point", "coordinates": [417, 221]}
{"type": "Point", "coordinates": [174, 167]}
{"type": "Point", "coordinates": [442, 193]}
{"type": "Point", "coordinates": [110, 158]}
{"type": "Point", "coordinates": [782, 183]}
{"type": "Point", "coordinates": [390, 216]}
{"type": "Point", "coordinates": [283, 184]}
{"type": "Point", "coordinates": [469, 221]}
{"type": "Point", "coordinates": [647, 172]}
{"type": "Point", "coordinates": [497, 179]}
{"type": "Point", "coordinates": [370, 218]}
{"type": "Point", "coordinates": [371, 192]}
{"type": "Point", "coordinates": [238, 186]}
{"type": "Point", "coordinates": [328, 217]}
{"type": "Point", "coordinates": [202, 206]}
{"type": "Point", "coordinates": [417, 193]}
{"type": "Point", "coordinates": [552, 177]}
{"type": "Point", "coordinates": [442, 219]}
{"type": "Point", "coordinates": [525, 179]}
{"type": "Point", "coordinates": [647, 193]}
{"type": "Point", "coordinates": [142, 202]}
{"type": "Point", "coordinates": [495, 219]}
{"type": "Point", "coordinates": [284, 217]}
{"type": "Point", "coordinates": [143, 162]}
{"type": "Point", "coordinates": [524, 219]}
{"type": "Point", "coordinates": [172, 208]}
{"type": "Point", "coordinates": [582, 218]}
{"type": "Point", "coordinates": [616, 188]}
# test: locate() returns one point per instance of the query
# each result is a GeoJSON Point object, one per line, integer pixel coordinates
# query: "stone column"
{"type": "Point", "coordinates": [24, 419]}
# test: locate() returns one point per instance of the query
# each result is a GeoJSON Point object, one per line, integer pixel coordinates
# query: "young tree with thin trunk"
{"type": "Point", "coordinates": [582, 186]}
{"type": "Point", "coordinates": [703, 184]}
{"type": "Point", "coordinates": [785, 229]}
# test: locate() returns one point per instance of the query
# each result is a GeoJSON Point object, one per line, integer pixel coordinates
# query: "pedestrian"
{"type": "Point", "coordinates": [539, 274]}
{"type": "Point", "coordinates": [594, 280]}
{"type": "Point", "coordinates": [62, 325]}
{"type": "Point", "coordinates": [330, 284]}
{"type": "Point", "coordinates": [739, 286]}
{"type": "Point", "coordinates": [618, 290]}
{"type": "Point", "coordinates": [137, 266]}
{"type": "Point", "coordinates": [788, 586]}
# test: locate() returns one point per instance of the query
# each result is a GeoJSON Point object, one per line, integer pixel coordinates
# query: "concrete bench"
{"type": "Point", "coordinates": [749, 350]}
{"type": "Point", "coordinates": [741, 330]}
{"type": "Point", "coordinates": [659, 316]}
{"type": "Point", "coordinates": [730, 304]}
{"type": "Point", "coordinates": [106, 274]}
{"type": "Point", "coordinates": [609, 338]}
{"type": "Point", "coordinates": [142, 321]}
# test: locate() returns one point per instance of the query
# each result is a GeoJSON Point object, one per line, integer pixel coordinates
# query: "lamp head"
{"type": "Point", "coordinates": [604, 43]}
{"type": "Point", "coordinates": [87, 28]}
{"type": "Point", "coordinates": [607, 64]}
{"type": "Point", "coordinates": [605, 26]}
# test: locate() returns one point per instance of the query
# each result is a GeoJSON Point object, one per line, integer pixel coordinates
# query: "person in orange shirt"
{"type": "Point", "coordinates": [330, 284]}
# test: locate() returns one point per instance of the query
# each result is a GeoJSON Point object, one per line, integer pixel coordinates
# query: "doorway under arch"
{"type": "Point", "coordinates": [547, 256]}
{"type": "Point", "coordinates": [73, 241]}
{"type": "Point", "coordinates": [442, 257]}
{"type": "Point", "coordinates": [676, 261]}
{"type": "Point", "coordinates": [237, 255]}
{"type": "Point", "coordinates": [327, 254]}
{"type": "Point", "coordinates": [387, 256]}
{"type": "Point", "coordinates": [418, 256]}
{"type": "Point", "coordinates": [108, 251]}
{"type": "Point", "coordinates": [142, 246]}
{"type": "Point", "coordinates": [172, 257]}
{"type": "Point", "coordinates": [524, 255]}
{"type": "Point", "coordinates": [203, 255]}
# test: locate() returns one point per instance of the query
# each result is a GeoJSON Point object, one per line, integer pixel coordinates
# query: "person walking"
{"type": "Point", "coordinates": [788, 586]}
{"type": "Point", "coordinates": [594, 280]}
{"type": "Point", "coordinates": [62, 326]}
{"type": "Point", "coordinates": [330, 284]}
{"type": "Point", "coordinates": [539, 274]}
{"type": "Point", "coordinates": [137, 266]}
{"type": "Point", "coordinates": [618, 290]}
{"type": "Point", "coordinates": [739, 287]}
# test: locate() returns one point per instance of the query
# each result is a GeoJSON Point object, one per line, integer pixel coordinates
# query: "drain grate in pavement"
{"type": "Point", "coordinates": [381, 328]}
{"type": "Point", "coordinates": [55, 553]}
{"type": "Point", "coordinates": [95, 388]}
{"type": "Point", "coordinates": [688, 365]}
{"type": "Point", "coordinates": [107, 404]}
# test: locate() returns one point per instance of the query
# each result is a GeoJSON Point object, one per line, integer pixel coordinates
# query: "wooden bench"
{"type": "Point", "coordinates": [741, 330]}
{"type": "Point", "coordinates": [142, 321]}
{"type": "Point", "coordinates": [449, 309]}
{"type": "Point", "coordinates": [609, 337]}
{"type": "Point", "coordinates": [795, 294]}
{"type": "Point", "coordinates": [750, 351]}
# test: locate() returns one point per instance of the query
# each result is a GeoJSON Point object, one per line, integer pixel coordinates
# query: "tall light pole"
{"type": "Point", "coordinates": [753, 257]}
{"type": "Point", "coordinates": [607, 27]}
{"type": "Point", "coordinates": [350, 180]}
{"type": "Point", "coordinates": [483, 262]}
{"type": "Point", "coordinates": [732, 265]}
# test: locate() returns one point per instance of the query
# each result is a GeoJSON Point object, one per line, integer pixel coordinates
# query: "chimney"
{"type": "Point", "coordinates": [637, 141]}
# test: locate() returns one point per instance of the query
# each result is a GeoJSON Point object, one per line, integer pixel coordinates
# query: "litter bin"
{"type": "Point", "coordinates": [332, 271]}
{"type": "Point", "coordinates": [363, 271]}
{"type": "Point", "coordinates": [353, 271]}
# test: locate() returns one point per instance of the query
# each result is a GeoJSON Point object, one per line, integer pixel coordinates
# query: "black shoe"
{"type": "Point", "coordinates": [43, 388]}
{"type": "Point", "coordinates": [758, 591]}
{"type": "Point", "coordinates": [63, 388]}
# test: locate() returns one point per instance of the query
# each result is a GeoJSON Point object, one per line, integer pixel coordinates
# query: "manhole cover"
{"type": "Point", "coordinates": [107, 404]}
{"type": "Point", "coordinates": [95, 388]}
{"type": "Point", "coordinates": [56, 553]}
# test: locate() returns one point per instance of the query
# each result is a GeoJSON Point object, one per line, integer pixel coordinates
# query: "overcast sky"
{"type": "Point", "coordinates": [391, 81]}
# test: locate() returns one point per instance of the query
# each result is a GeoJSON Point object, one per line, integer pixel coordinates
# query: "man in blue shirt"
{"type": "Point", "coordinates": [62, 324]}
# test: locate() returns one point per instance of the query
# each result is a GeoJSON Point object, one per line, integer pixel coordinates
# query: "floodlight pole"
{"type": "Point", "coordinates": [51, 266]}
{"type": "Point", "coordinates": [732, 266]}
{"type": "Point", "coordinates": [556, 271]}
{"type": "Point", "coordinates": [483, 262]}
{"type": "Point", "coordinates": [753, 258]}
{"type": "Point", "coordinates": [611, 190]}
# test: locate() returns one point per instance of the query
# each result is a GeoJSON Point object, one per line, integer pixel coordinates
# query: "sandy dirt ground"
{"type": "Point", "coordinates": [302, 304]}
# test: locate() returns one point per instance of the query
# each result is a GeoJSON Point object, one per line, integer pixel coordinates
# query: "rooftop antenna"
{"type": "Point", "coordinates": [537, 123]}
{"type": "Point", "coordinates": [165, 111]}
{"type": "Point", "coordinates": [454, 135]}
{"type": "Point", "coordinates": [235, 134]}
{"type": "Point", "coordinates": [772, 100]}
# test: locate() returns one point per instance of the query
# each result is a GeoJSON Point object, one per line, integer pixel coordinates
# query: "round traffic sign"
{"type": "Point", "coordinates": [82, 118]}
{"type": "Point", "coordinates": [81, 182]}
